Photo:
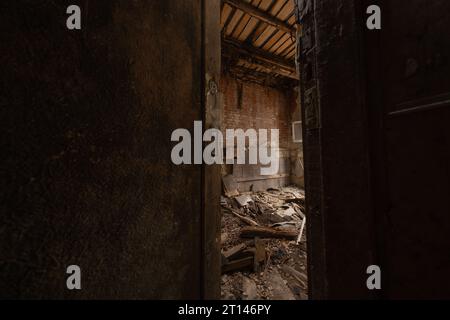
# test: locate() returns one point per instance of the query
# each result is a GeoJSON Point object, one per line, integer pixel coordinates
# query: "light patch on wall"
{"type": "Point", "coordinates": [297, 134]}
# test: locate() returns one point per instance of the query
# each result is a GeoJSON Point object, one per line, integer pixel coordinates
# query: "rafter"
{"type": "Point", "coordinates": [261, 15]}
{"type": "Point", "coordinates": [254, 55]}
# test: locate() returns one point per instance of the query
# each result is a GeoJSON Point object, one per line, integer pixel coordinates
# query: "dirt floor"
{"type": "Point", "coordinates": [280, 271]}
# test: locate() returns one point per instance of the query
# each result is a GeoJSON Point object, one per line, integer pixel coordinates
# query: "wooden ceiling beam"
{"type": "Point", "coordinates": [267, 68]}
{"type": "Point", "coordinates": [261, 15]}
{"type": "Point", "coordinates": [250, 75]}
{"type": "Point", "coordinates": [241, 50]}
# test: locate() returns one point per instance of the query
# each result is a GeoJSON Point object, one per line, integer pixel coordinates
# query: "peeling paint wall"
{"type": "Point", "coordinates": [87, 179]}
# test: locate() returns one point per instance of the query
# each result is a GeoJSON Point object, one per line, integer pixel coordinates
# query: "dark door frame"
{"type": "Point", "coordinates": [341, 237]}
{"type": "Point", "coordinates": [337, 185]}
{"type": "Point", "coordinates": [211, 175]}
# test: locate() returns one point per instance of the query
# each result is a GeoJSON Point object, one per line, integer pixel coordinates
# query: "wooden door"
{"type": "Point", "coordinates": [376, 110]}
{"type": "Point", "coordinates": [410, 108]}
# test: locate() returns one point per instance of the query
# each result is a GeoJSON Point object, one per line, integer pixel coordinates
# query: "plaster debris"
{"type": "Point", "coordinates": [261, 258]}
{"type": "Point", "coordinates": [244, 200]}
{"type": "Point", "coordinates": [249, 289]}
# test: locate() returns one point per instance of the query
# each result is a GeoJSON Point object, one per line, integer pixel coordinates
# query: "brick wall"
{"type": "Point", "coordinates": [260, 108]}
{"type": "Point", "coordinates": [253, 106]}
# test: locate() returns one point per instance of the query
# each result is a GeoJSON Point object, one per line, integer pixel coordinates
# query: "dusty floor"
{"type": "Point", "coordinates": [282, 274]}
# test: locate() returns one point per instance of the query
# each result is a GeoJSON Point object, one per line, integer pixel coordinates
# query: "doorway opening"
{"type": "Point", "coordinates": [263, 222]}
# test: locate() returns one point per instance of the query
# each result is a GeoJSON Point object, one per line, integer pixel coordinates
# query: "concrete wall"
{"type": "Point", "coordinates": [86, 176]}
{"type": "Point", "coordinates": [252, 106]}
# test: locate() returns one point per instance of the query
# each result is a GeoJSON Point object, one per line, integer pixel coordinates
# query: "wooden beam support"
{"type": "Point", "coordinates": [211, 175]}
{"type": "Point", "coordinates": [251, 75]}
{"type": "Point", "coordinates": [267, 68]}
{"type": "Point", "coordinates": [261, 15]}
{"type": "Point", "coordinates": [233, 47]}
{"type": "Point", "coordinates": [264, 232]}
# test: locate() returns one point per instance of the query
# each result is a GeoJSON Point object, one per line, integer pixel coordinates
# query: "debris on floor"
{"type": "Point", "coordinates": [264, 245]}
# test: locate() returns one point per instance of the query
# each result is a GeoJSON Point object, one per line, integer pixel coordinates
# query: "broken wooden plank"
{"type": "Point", "coordinates": [246, 220]}
{"type": "Point", "coordinates": [283, 224]}
{"type": "Point", "coordinates": [265, 232]}
{"type": "Point", "coordinates": [299, 201]}
{"type": "Point", "coordinates": [238, 265]}
{"type": "Point", "coordinates": [260, 254]}
{"type": "Point", "coordinates": [297, 275]}
{"type": "Point", "coordinates": [243, 200]}
{"type": "Point", "coordinates": [232, 252]}
{"type": "Point", "coordinates": [299, 239]}
{"type": "Point", "coordinates": [230, 186]}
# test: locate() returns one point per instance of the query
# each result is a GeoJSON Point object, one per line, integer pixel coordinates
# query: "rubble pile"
{"type": "Point", "coordinates": [264, 245]}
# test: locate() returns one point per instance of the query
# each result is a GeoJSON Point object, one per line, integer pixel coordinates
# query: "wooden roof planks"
{"type": "Point", "coordinates": [263, 34]}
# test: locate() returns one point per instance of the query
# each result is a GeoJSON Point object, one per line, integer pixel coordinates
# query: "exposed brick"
{"type": "Point", "coordinates": [262, 108]}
